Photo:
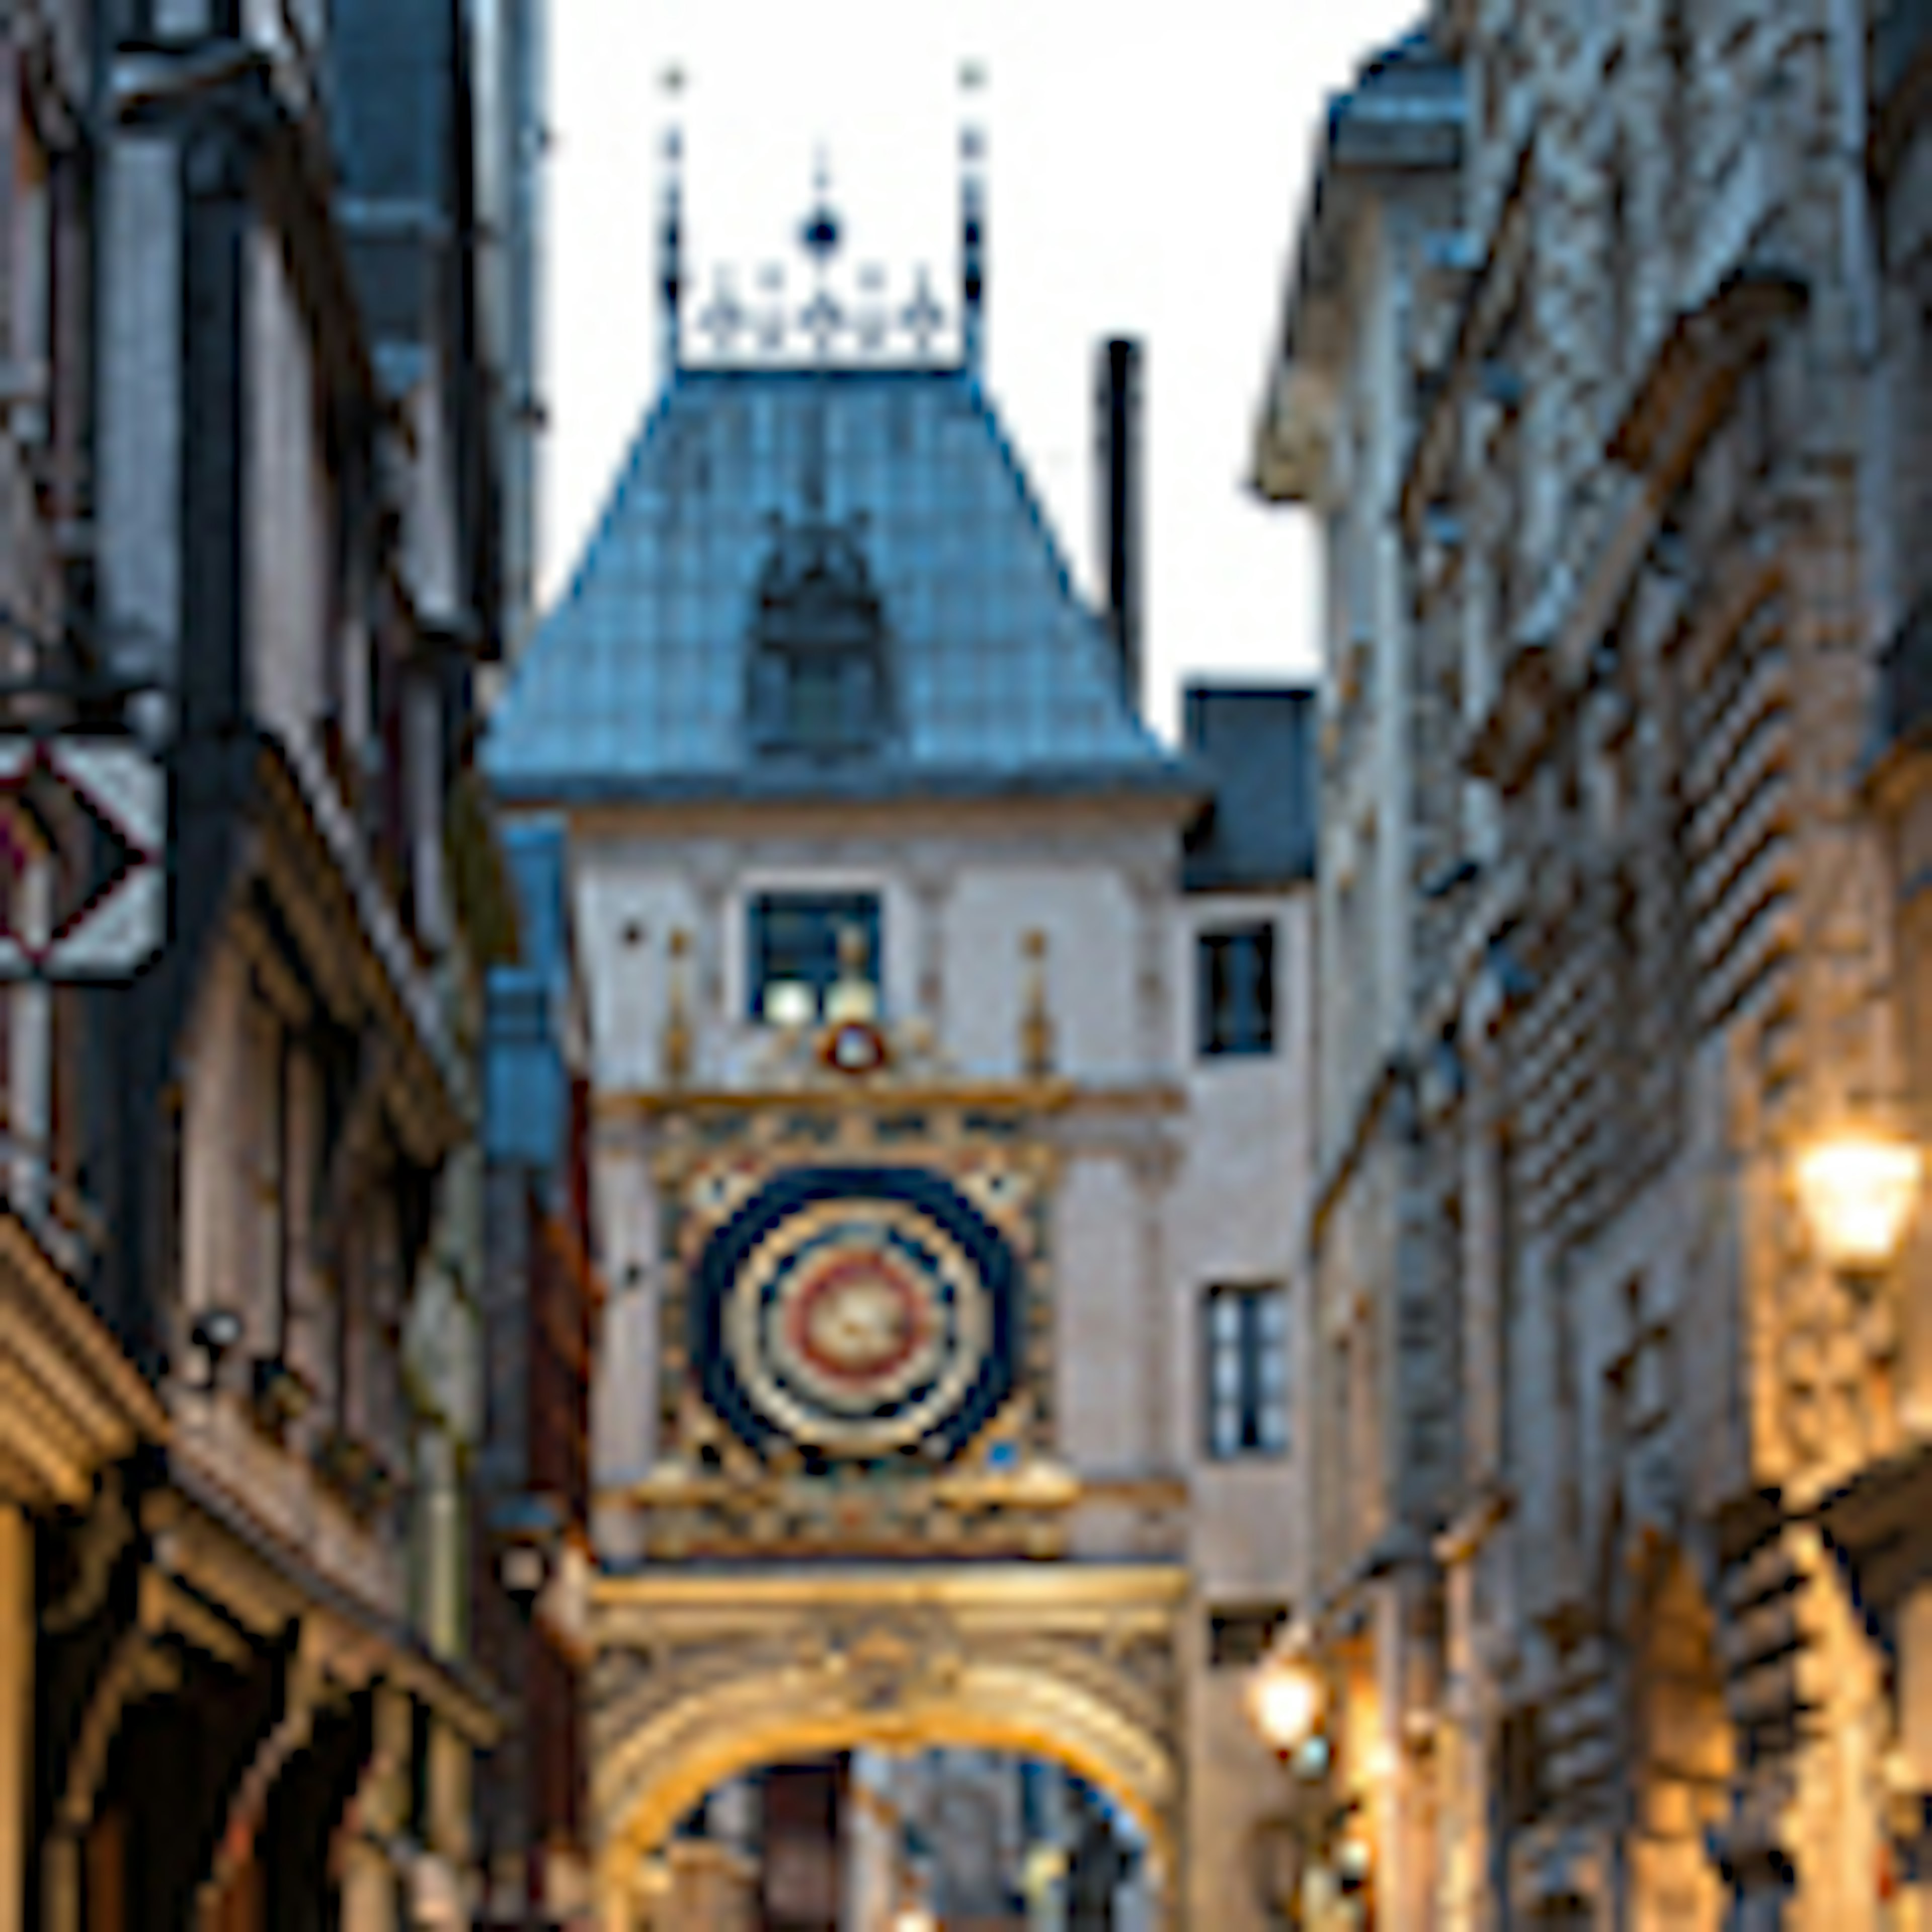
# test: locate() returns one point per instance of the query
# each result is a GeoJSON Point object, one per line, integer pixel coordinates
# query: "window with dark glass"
{"type": "Point", "coordinates": [1239, 1634]}
{"type": "Point", "coordinates": [794, 950]}
{"type": "Point", "coordinates": [1234, 971]}
{"type": "Point", "coordinates": [817, 681]}
{"type": "Point", "coordinates": [1245, 1344]}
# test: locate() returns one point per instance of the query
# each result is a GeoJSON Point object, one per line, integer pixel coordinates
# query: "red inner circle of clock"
{"type": "Point", "coordinates": [858, 1319]}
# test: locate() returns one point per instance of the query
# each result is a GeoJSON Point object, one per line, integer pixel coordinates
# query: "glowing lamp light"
{"type": "Point", "coordinates": [789, 1003]}
{"type": "Point", "coordinates": [915, 1918]}
{"type": "Point", "coordinates": [1858, 1190]}
{"type": "Point", "coordinates": [1284, 1701]}
{"type": "Point", "coordinates": [1354, 1863]}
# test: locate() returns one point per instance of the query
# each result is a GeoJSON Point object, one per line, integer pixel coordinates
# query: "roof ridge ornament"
{"type": "Point", "coordinates": [972, 224]}
{"type": "Point", "coordinates": [671, 230]}
{"type": "Point", "coordinates": [820, 234]}
{"type": "Point", "coordinates": [847, 319]}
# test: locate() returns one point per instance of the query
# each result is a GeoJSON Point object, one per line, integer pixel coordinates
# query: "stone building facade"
{"type": "Point", "coordinates": [944, 1031]}
{"type": "Point", "coordinates": [542, 1296]}
{"type": "Point", "coordinates": [73, 1401]}
{"type": "Point", "coordinates": [1379, 1361]}
{"type": "Point", "coordinates": [1639, 1646]}
{"type": "Point", "coordinates": [249, 471]}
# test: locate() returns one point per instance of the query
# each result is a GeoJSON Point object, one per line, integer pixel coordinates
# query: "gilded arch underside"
{"type": "Point", "coordinates": [701, 1677]}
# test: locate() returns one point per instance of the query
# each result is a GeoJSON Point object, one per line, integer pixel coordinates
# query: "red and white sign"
{"type": "Point", "coordinates": [117, 927]}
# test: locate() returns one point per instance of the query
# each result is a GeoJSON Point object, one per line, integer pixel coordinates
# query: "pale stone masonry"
{"type": "Point", "coordinates": [1603, 1581]}
{"type": "Point", "coordinates": [1378, 1387]}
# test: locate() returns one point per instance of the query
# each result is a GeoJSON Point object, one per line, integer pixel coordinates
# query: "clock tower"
{"type": "Point", "coordinates": [950, 1052]}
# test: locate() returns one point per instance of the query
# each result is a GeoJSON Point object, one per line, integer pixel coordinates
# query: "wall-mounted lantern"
{"type": "Point", "coordinates": [1286, 1698]}
{"type": "Point", "coordinates": [1857, 1187]}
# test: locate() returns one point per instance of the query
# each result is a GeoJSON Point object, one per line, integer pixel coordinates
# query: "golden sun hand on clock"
{"type": "Point", "coordinates": [861, 1322]}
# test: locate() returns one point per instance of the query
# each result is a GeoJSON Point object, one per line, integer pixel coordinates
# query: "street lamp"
{"type": "Point", "coordinates": [1287, 1702]}
{"type": "Point", "coordinates": [1857, 1187]}
{"type": "Point", "coordinates": [1285, 1699]}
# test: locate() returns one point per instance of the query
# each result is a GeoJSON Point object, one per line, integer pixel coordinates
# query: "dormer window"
{"type": "Point", "coordinates": [817, 684]}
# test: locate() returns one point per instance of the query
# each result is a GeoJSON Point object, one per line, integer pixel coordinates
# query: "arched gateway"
{"type": "Point", "coordinates": [704, 1677]}
{"type": "Point", "coordinates": [948, 1043]}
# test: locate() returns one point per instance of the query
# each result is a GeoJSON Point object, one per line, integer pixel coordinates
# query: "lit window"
{"type": "Point", "coordinates": [794, 951]}
{"type": "Point", "coordinates": [1245, 1338]}
{"type": "Point", "coordinates": [1234, 973]}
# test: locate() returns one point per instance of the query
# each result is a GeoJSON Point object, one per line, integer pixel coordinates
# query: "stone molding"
{"type": "Point", "coordinates": [70, 1402]}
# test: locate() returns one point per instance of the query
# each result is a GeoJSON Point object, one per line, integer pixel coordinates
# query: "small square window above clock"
{"type": "Point", "coordinates": [793, 952]}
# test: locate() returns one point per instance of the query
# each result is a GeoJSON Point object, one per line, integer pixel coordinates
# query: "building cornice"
{"type": "Point", "coordinates": [71, 1401]}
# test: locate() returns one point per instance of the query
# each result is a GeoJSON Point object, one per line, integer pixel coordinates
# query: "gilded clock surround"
{"type": "Point", "coordinates": [820, 1208]}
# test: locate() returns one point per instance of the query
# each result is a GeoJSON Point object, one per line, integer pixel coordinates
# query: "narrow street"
{"type": "Point", "coordinates": [841, 1095]}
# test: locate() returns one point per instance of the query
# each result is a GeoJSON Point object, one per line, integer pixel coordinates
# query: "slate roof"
{"type": "Point", "coordinates": [1002, 679]}
{"type": "Point", "coordinates": [1257, 744]}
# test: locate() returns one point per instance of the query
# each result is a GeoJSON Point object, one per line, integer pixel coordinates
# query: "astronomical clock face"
{"type": "Point", "coordinates": [855, 1311]}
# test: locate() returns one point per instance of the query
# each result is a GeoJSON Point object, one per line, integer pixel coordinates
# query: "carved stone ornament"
{"type": "Point", "coordinates": [1834, 1359]}
{"type": "Point", "coordinates": [878, 1661]}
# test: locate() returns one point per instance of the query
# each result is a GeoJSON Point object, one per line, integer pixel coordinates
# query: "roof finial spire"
{"type": "Point", "coordinates": [822, 318]}
{"type": "Point", "coordinates": [670, 231]}
{"type": "Point", "coordinates": [819, 235]}
{"type": "Point", "coordinates": [972, 223]}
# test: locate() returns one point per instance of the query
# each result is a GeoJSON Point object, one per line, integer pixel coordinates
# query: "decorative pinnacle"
{"type": "Point", "coordinates": [1036, 1016]}
{"type": "Point", "coordinates": [670, 238]}
{"type": "Point", "coordinates": [972, 223]}
{"type": "Point", "coordinates": [676, 1046]}
{"type": "Point", "coordinates": [922, 315]}
{"type": "Point", "coordinates": [819, 236]}
{"type": "Point", "coordinates": [725, 316]}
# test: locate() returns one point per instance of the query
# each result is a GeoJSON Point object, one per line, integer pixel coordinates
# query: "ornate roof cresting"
{"type": "Point", "coordinates": [852, 317]}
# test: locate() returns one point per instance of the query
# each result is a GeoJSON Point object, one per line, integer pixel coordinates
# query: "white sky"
{"type": "Point", "coordinates": [1146, 169]}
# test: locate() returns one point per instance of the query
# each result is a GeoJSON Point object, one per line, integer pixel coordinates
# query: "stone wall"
{"type": "Point", "coordinates": [1567, 1313]}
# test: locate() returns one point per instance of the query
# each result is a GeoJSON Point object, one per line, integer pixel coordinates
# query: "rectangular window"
{"type": "Point", "coordinates": [1245, 1371]}
{"type": "Point", "coordinates": [1234, 982]}
{"type": "Point", "coordinates": [1239, 1634]}
{"type": "Point", "coordinates": [794, 951]}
